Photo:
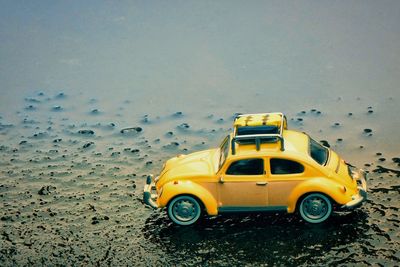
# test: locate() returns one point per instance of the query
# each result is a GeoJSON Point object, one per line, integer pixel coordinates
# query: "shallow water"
{"type": "Point", "coordinates": [71, 182]}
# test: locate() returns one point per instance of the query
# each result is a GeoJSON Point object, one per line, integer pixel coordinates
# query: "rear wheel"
{"type": "Point", "coordinates": [315, 208]}
{"type": "Point", "coordinates": [184, 210]}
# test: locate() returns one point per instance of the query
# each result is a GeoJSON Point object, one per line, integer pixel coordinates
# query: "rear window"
{"type": "Point", "coordinates": [262, 129]}
{"type": "Point", "coordinates": [285, 166]}
{"type": "Point", "coordinates": [318, 152]}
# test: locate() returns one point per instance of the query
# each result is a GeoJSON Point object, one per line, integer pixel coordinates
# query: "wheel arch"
{"type": "Point", "coordinates": [327, 187]}
{"type": "Point", "coordinates": [172, 190]}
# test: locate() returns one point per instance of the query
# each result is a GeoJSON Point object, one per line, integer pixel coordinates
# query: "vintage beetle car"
{"type": "Point", "coordinates": [260, 166]}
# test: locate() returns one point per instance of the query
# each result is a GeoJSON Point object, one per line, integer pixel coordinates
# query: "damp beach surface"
{"type": "Point", "coordinates": [90, 106]}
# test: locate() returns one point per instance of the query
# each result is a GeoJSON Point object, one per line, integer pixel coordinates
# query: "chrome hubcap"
{"type": "Point", "coordinates": [185, 210]}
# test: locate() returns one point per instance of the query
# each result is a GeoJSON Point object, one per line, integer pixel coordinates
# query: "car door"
{"type": "Point", "coordinates": [283, 176]}
{"type": "Point", "coordinates": [243, 186]}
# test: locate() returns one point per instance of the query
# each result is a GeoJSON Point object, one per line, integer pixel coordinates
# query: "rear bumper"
{"type": "Point", "coordinates": [358, 199]}
{"type": "Point", "coordinates": [150, 193]}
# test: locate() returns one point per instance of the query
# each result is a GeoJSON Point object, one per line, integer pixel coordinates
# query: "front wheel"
{"type": "Point", "coordinates": [184, 210]}
{"type": "Point", "coordinates": [315, 208]}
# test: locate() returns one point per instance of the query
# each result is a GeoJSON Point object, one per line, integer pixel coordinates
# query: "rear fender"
{"type": "Point", "coordinates": [175, 188]}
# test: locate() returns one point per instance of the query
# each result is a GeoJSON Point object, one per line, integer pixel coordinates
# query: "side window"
{"type": "Point", "coordinates": [246, 167]}
{"type": "Point", "coordinates": [285, 166]}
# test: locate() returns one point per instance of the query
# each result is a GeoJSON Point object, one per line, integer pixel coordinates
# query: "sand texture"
{"type": "Point", "coordinates": [71, 189]}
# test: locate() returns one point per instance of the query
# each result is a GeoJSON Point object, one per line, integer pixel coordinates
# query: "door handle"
{"type": "Point", "coordinates": [261, 183]}
{"type": "Point", "coordinates": [221, 180]}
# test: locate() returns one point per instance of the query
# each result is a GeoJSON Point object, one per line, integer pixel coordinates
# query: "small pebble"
{"type": "Point", "coordinates": [60, 95]}
{"type": "Point", "coordinates": [45, 190]}
{"type": "Point", "coordinates": [177, 114]}
{"type": "Point", "coordinates": [86, 132]}
{"type": "Point", "coordinates": [131, 130]}
{"type": "Point", "coordinates": [184, 126]}
{"type": "Point", "coordinates": [145, 119]}
{"type": "Point", "coordinates": [87, 145]}
{"type": "Point", "coordinates": [32, 100]}
{"type": "Point", "coordinates": [56, 108]}
{"type": "Point", "coordinates": [30, 107]}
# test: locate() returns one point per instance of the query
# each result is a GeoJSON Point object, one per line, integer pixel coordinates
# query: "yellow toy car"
{"type": "Point", "coordinates": [260, 166]}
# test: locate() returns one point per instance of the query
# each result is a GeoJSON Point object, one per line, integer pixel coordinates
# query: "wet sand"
{"type": "Point", "coordinates": [95, 97]}
{"type": "Point", "coordinates": [72, 179]}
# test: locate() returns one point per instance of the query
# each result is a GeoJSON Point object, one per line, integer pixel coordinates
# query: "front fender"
{"type": "Point", "coordinates": [326, 186]}
{"type": "Point", "coordinates": [175, 188]}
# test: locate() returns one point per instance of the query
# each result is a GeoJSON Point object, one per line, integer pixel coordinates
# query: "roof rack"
{"type": "Point", "coordinates": [276, 122]}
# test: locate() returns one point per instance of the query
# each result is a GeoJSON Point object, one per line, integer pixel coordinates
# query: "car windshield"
{"type": "Point", "coordinates": [318, 152]}
{"type": "Point", "coordinates": [223, 150]}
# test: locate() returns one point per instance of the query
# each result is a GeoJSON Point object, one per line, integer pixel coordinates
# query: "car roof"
{"type": "Point", "coordinates": [295, 145]}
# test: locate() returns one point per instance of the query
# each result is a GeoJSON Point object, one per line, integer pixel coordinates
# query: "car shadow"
{"type": "Point", "coordinates": [263, 238]}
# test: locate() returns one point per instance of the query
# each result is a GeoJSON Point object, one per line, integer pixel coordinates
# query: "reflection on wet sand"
{"type": "Point", "coordinates": [259, 239]}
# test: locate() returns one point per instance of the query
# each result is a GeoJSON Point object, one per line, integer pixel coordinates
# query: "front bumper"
{"type": "Point", "coordinates": [360, 176]}
{"type": "Point", "coordinates": [150, 193]}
